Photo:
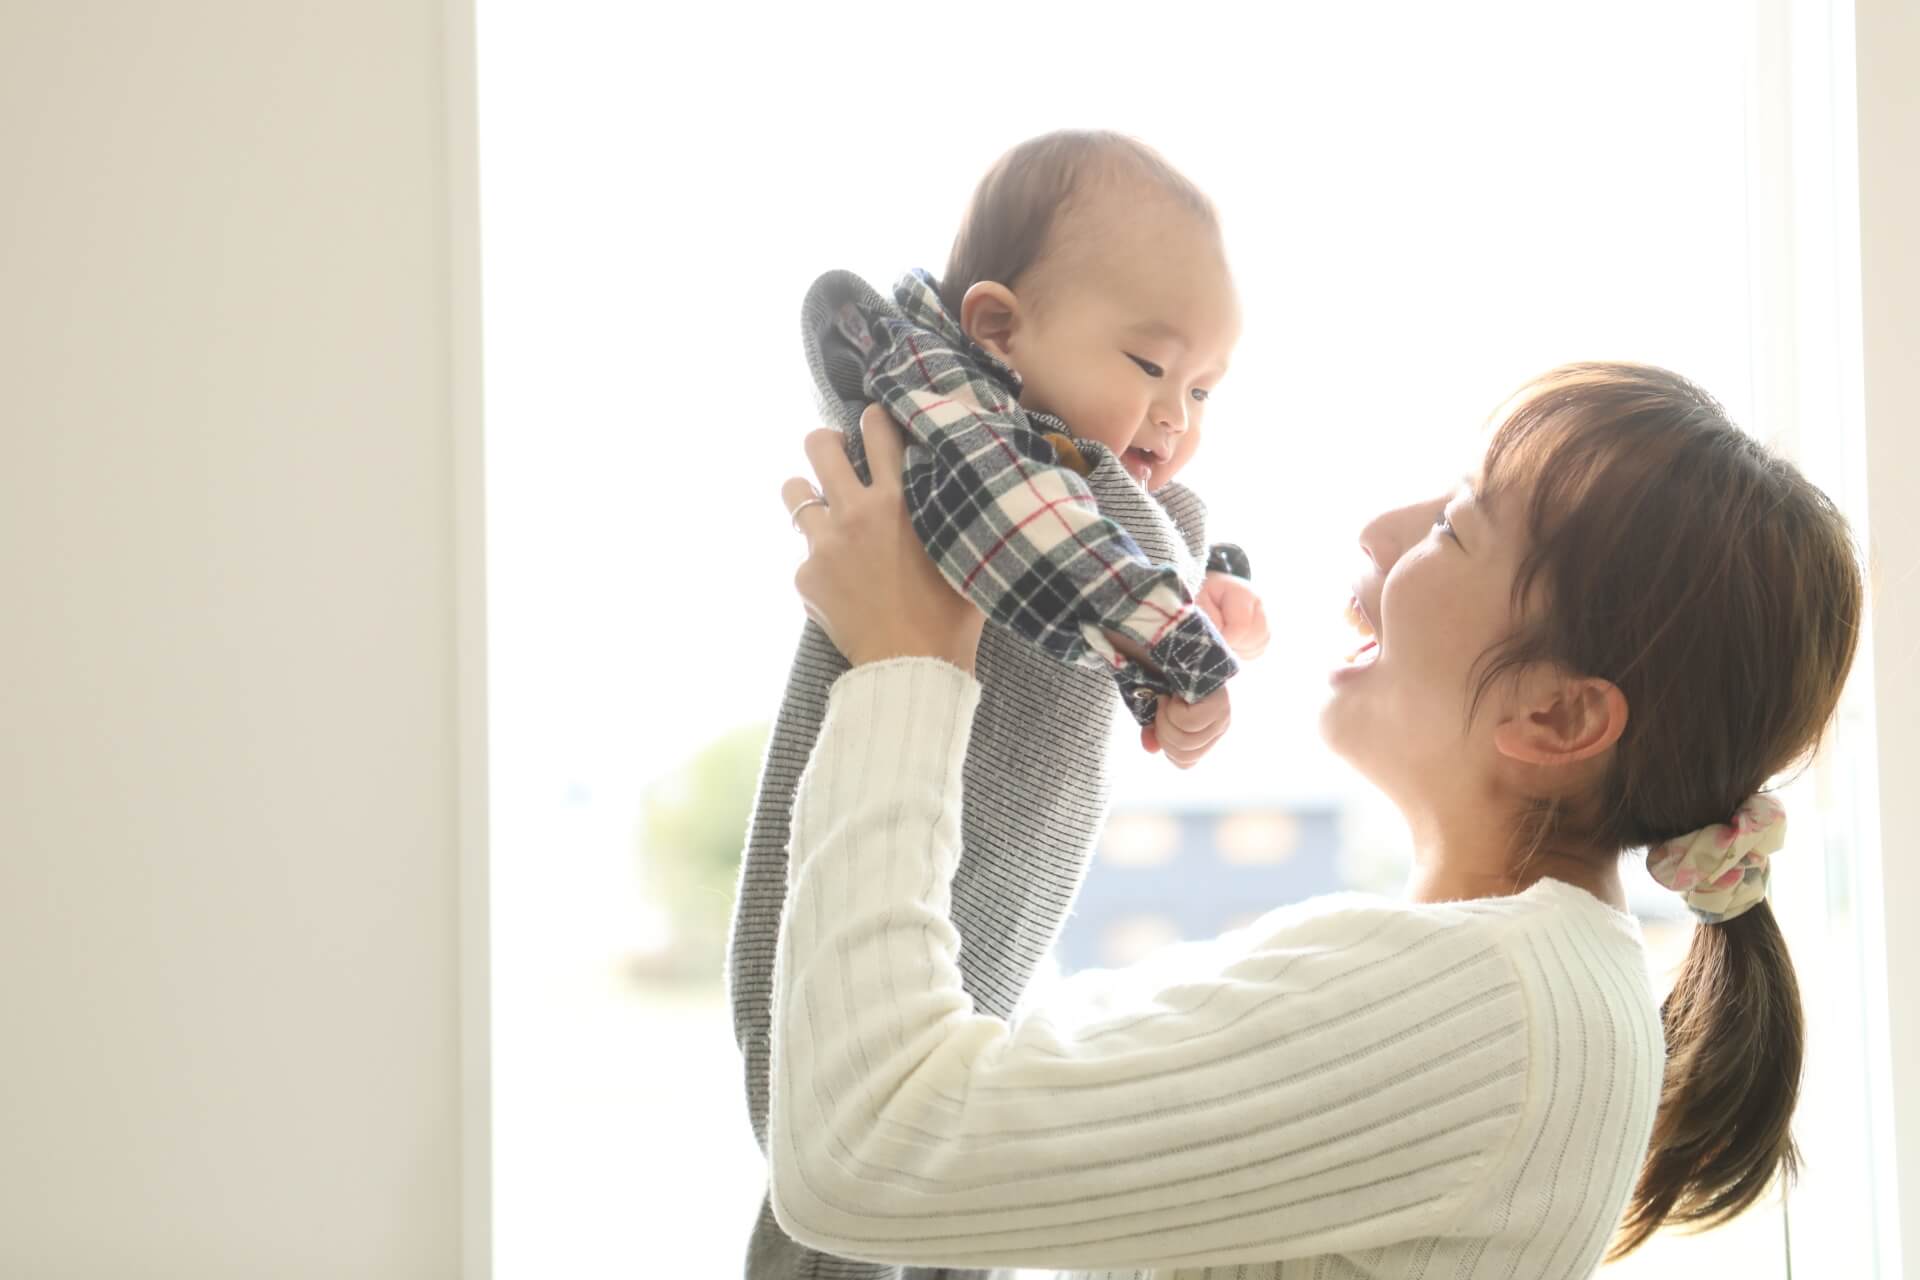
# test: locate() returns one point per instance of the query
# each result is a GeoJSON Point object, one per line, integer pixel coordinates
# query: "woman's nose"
{"type": "Point", "coordinates": [1388, 535]}
{"type": "Point", "coordinates": [1373, 543]}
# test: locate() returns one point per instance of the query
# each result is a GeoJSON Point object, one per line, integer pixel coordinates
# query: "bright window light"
{"type": "Point", "coordinates": [1424, 206]}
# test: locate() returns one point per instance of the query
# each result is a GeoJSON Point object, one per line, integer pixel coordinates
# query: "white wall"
{"type": "Point", "coordinates": [230, 810]}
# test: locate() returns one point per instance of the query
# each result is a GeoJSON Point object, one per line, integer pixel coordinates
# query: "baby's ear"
{"type": "Point", "coordinates": [990, 316]}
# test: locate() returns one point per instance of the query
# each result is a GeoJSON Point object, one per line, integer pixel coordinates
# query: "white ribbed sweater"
{"type": "Point", "coordinates": [1348, 1087]}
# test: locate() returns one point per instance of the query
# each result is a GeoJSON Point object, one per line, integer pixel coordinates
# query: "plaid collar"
{"type": "Point", "coordinates": [918, 297]}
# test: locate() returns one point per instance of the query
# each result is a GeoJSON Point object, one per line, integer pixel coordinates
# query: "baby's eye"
{"type": "Point", "coordinates": [1201, 393]}
{"type": "Point", "coordinates": [1445, 526]}
{"type": "Point", "coordinates": [1152, 370]}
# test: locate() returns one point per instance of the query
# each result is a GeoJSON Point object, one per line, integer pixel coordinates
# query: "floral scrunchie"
{"type": "Point", "coordinates": [1721, 870]}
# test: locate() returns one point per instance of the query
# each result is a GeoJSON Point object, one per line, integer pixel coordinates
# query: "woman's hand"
{"type": "Point", "coordinates": [867, 580]}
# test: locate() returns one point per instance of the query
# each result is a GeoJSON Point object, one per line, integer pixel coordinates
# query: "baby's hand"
{"type": "Point", "coordinates": [1236, 610]}
{"type": "Point", "coordinates": [1187, 730]}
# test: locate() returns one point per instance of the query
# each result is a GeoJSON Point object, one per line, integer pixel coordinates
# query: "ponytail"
{"type": "Point", "coordinates": [1735, 1040]}
{"type": "Point", "coordinates": [1671, 554]}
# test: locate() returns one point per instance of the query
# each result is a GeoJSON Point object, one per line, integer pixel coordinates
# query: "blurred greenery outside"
{"type": "Point", "coordinates": [693, 829]}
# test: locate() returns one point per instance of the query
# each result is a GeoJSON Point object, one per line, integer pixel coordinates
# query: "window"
{"type": "Point", "coordinates": [1424, 207]}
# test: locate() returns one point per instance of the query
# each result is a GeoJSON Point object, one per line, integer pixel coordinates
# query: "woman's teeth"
{"type": "Point", "coordinates": [1369, 643]}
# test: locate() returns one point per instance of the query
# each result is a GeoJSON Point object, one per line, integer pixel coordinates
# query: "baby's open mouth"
{"type": "Point", "coordinates": [1369, 647]}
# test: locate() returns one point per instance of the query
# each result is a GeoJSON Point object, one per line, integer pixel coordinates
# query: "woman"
{"type": "Point", "coordinates": [1608, 639]}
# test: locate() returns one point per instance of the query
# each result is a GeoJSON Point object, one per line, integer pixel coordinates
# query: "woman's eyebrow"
{"type": "Point", "coordinates": [1482, 502]}
{"type": "Point", "coordinates": [1472, 503]}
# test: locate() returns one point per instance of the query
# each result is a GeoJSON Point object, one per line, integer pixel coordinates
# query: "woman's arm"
{"type": "Point", "coordinates": [1336, 1083]}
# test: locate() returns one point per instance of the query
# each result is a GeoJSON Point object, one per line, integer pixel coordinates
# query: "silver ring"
{"type": "Point", "coordinates": [815, 501]}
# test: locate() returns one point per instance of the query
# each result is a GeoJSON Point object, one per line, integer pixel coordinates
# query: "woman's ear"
{"type": "Point", "coordinates": [1563, 720]}
{"type": "Point", "coordinates": [990, 315]}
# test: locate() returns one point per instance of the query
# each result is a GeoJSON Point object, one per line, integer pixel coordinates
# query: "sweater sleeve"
{"type": "Point", "coordinates": [1316, 1082]}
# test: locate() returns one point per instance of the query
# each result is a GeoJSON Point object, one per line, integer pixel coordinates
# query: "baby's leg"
{"type": "Point", "coordinates": [1035, 792]}
{"type": "Point", "coordinates": [763, 867]}
{"type": "Point", "coordinates": [751, 945]}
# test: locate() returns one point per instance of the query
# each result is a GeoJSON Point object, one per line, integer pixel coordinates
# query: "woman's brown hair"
{"type": "Point", "coordinates": [1721, 592]}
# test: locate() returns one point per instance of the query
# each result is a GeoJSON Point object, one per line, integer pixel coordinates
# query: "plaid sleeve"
{"type": "Point", "coordinates": [1022, 536]}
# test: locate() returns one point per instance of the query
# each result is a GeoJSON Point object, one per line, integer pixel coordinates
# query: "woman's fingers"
{"type": "Point", "coordinates": [827, 454]}
{"type": "Point", "coordinates": [867, 579]}
{"type": "Point", "coordinates": [886, 452]}
{"type": "Point", "coordinates": [803, 505]}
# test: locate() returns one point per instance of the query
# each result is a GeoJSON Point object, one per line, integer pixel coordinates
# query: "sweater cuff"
{"type": "Point", "coordinates": [902, 724]}
{"type": "Point", "coordinates": [905, 683]}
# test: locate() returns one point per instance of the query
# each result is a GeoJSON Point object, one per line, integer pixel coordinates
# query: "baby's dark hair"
{"type": "Point", "coordinates": [1013, 210]}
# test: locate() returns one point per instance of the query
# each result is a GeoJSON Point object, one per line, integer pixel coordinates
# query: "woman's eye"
{"type": "Point", "coordinates": [1152, 370]}
{"type": "Point", "coordinates": [1445, 526]}
{"type": "Point", "coordinates": [1201, 393]}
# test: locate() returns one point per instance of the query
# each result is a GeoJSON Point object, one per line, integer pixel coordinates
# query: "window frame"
{"type": "Point", "coordinates": [1831, 127]}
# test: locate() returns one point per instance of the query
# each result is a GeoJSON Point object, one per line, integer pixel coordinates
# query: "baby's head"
{"type": "Point", "coordinates": [1096, 271]}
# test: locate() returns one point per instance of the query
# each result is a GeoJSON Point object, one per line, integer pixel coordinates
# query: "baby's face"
{"type": "Point", "coordinates": [1130, 338]}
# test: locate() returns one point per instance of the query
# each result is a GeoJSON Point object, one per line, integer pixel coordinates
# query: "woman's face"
{"type": "Point", "coordinates": [1435, 596]}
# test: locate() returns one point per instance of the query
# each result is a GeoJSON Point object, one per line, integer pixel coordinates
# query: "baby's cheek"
{"type": "Point", "coordinates": [1188, 446]}
{"type": "Point", "coordinates": [1113, 416]}
{"type": "Point", "coordinates": [1102, 424]}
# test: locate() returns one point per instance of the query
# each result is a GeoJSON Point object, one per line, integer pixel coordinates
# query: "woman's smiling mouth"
{"type": "Point", "coordinates": [1369, 647]}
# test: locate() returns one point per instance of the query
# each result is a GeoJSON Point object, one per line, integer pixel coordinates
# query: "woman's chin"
{"type": "Point", "coordinates": [1334, 729]}
{"type": "Point", "coordinates": [1346, 729]}
{"type": "Point", "coordinates": [1349, 741]}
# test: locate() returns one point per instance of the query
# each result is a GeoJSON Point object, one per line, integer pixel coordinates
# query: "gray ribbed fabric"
{"type": "Point", "coordinates": [1036, 791]}
{"type": "Point", "coordinates": [1347, 1087]}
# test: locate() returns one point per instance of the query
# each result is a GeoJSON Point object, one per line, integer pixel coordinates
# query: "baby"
{"type": "Point", "coordinates": [1052, 384]}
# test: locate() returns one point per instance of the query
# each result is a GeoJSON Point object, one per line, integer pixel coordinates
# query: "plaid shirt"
{"type": "Point", "coordinates": [1011, 528]}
